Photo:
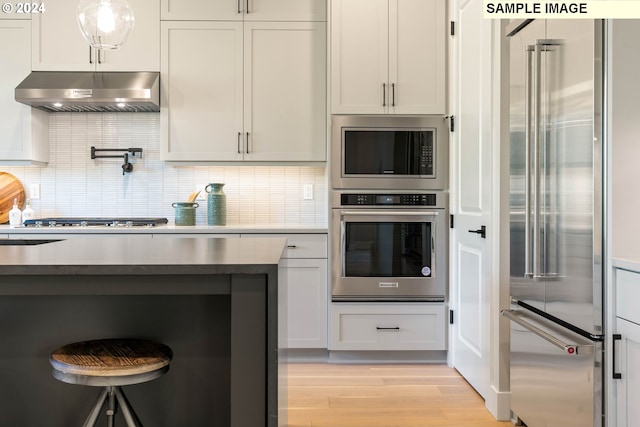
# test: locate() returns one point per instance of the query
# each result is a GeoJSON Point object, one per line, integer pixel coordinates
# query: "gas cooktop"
{"type": "Point", "coordinates": [92, 222]}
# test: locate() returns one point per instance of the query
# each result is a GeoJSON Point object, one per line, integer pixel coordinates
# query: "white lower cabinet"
{"type": "Point", "coordinates": [303, 285]}
{"type": "Point", "coordinates": [387, 326]}
{"type": "Point", "coordinates": [628, 365]}
{"type": "Point", "coordinates": [627, 350]}
{"type": "Point", "coordinates": [305, 281]}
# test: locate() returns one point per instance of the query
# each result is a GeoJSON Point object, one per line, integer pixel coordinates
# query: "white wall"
{"type": "Point", "coordinates": [74, 185]}
{"type": "Point", "coordinates": [625, 138]}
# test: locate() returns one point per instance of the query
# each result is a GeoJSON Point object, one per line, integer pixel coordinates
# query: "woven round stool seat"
{"type": "Point", "coordinates": [111, 357]}
{"type": "Point", "coordinates": [111, 363]}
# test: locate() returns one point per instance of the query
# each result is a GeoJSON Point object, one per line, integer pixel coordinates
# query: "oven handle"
{"type": "Point", "coordinates": [388, 213]}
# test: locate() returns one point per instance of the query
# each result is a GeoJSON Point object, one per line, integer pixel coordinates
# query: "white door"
{"type": "Point", "coordinates": [471, 194]}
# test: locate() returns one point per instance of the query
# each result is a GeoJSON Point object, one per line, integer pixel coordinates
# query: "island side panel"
{"type": "Point", "coordinates": [248, 350]}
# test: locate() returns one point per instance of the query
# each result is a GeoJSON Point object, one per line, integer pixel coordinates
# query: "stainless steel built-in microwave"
{"type": "Point", "coordinates": [392, 153]}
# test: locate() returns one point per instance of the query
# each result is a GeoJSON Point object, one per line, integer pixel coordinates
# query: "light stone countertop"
{"type": "Point", "coordinates": [632, 264]}
{"type": "Point", "coordinates": [169, 229]}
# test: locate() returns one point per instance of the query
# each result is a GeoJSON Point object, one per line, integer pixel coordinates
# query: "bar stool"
{"type": "Point", "coordinates": [111, 364]}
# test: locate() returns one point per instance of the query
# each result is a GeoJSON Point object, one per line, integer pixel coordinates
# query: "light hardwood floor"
{"type": "Point", "coordinates": [334, 395]}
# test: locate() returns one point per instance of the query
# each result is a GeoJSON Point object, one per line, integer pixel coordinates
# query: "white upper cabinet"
{"type": "Point", "coordinates": [244, 10]}
{"type": "Point", "coordinates": [234, 91]}
{"type": "Point", "coordinates": [24, 130]}
{"type": "Point", "coordinates": [58, 44]}
{"type": "Point", "coordinates": [285, 91]}
{"type": "Point", "coordinates": [388, 56]}
{"type": "Point", "coordinates": [201, 91]}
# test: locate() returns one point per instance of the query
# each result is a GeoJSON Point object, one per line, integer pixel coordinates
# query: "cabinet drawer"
{"type": "Point", "coordinates": [627, 295]}
{"type": "Point", "coordinates": [387, 327]}
{"type": "Point", "coordinates": [301, 245]}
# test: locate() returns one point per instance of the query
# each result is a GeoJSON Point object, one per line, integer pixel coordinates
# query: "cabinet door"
{"type": "Point", "coordinates": [141, 52]}
{"type": "Point", "coordinates": [304, 284]}
{"type": "Point", "coordinates": [248, 10]}
{"type": "Point", "coordinates": [417, 56]}
{"type": "Point", "coordinates": [359, 56]}
{"type": "Point", "coordinates": [201, 96]}
{"type": "Point", "coordinates": [58, 44]}
{"type": "Point", "coordinates": [628, 365]}
{"type": "Point", "coordinates": [285, 10]}
{"type": "Point", "coordinates": [195, 10]}
{"type": "Point", "coordinates": [23, 129]}
{"type": "Point", "coordinates": [285, 91]}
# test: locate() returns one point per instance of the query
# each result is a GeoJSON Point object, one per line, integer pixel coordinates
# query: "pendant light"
{"type": "Point", "coordinates": [105, 24]}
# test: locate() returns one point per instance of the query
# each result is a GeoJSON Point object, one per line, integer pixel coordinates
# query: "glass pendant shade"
{"type": "Point", "coordinates": [105, 24]}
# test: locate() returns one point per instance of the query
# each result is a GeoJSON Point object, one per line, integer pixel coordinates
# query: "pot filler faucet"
{"type": "Point", "coordinates": [126, 166]}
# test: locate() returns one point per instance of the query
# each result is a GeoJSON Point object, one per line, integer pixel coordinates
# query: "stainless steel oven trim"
{"type": "Point", "coordinates": [432, 289]}
{"type": "Point", "coordinates": [390, 181]}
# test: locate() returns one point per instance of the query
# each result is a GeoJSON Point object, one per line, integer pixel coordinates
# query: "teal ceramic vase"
{"type": "Point", "coordinates": [185, 213]}
{"type": "Point", "coordinates": [216, 204]}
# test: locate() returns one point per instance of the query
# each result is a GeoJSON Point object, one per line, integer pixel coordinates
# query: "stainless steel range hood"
{"type": "Point", "coordinates": [55, 91]}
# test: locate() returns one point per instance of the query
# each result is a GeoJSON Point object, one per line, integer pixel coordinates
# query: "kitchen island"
{"type": "Point", "coordinates": [213, 301]}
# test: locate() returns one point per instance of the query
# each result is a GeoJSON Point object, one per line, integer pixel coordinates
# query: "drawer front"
{"type": "Point", "coordinates": [627, 295]}
{"type": "Point", "coordinates": [388, 327]}
{"type": "Point", "coordinates": [301, 245]}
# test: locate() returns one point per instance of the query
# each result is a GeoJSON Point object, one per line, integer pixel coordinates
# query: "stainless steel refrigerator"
{"type": "Point", "coordinates": [556, 162]}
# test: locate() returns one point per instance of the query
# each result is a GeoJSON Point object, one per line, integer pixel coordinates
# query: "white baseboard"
{"type": "Point", "coordinates": [499, 404]}
{"type": "Point", "coordinates": [371, 356]}
{"type": "Point", "coordinates": [321, 355]}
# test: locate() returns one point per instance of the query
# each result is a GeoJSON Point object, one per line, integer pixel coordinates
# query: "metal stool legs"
{"type": "Point", "coordinates": [114, 397]}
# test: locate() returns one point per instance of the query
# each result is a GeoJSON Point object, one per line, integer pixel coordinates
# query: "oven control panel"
{"type": "Point", "coordinates": [388, 199]}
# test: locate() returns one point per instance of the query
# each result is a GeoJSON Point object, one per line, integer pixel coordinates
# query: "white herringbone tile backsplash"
{"type": "Point", "coordinates": [74, 185]}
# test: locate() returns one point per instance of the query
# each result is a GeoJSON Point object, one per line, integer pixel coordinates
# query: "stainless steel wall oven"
{"type": "Point", "coordinates": [390, 153]}
{"type": "Point", "coordinates": [389, 246]}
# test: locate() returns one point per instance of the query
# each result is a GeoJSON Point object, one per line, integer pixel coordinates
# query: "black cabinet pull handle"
{"type": "Point", "coordinates": [393, 94]}
{"type": "Point", "coordinates": [396, 328]}
{"type": "Point", "coordinates": [616, 375]}
{"type": "Point", "coordinates": [291, 246]}
{"type": "Point", "coordinates": [482, 232]}
{"type": "Point", "coordinates": [384, 94]}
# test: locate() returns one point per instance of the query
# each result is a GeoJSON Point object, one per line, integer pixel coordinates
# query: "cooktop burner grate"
{"type": "Point", "coordinates": [89, 222]}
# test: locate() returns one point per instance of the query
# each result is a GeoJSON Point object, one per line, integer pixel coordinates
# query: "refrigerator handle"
{"type": "Point", "coordinates": [616, 375]}
{"type": "Point", "coordinates": [535, 152]}
{"type": "Point", "coordinates": [539, 129]}
{"type": "Point", "coordinates": [527, 161]}
{"type": "Point", "coordinates": [570, 349]}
